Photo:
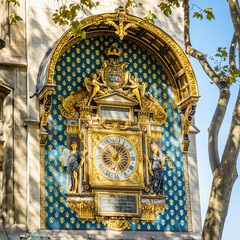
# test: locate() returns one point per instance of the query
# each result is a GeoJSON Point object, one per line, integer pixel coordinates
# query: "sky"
{"type": "Point", "coordinates": [207, 36]}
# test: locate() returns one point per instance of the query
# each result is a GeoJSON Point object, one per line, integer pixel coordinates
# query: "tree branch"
{"type": "Point", "coordinates": [223, 87]}
{"type": "Point", "coordinates": [195, 53]}
{"type": "Point", "coordinates": [215, 126]}
{"type": "Point", "coordinates": [224, 177]}
{"type": "Point", "coordinates": [232, 147]}
{"type": "Point", "coordinates": [235, 14]}
{"type": "Point", "coordinates": [232, 50]}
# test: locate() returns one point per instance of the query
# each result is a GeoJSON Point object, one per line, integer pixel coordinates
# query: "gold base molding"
{"type": "Point", "coordinates": [83, 205]}
{"type": "Point", "coordinates": [115, 223]}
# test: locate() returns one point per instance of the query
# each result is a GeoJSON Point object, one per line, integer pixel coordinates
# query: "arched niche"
{"type": "Point", "coordinates": [166, 56]}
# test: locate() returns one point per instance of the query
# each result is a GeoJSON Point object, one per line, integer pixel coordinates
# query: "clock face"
{"type": "Point", "coordinates": [115, 158]}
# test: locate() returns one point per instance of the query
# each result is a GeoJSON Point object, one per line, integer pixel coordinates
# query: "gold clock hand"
{"type": "Point", "coordinates": [117, 148]}
{"type": "Point", "coordinates": [118, 144]}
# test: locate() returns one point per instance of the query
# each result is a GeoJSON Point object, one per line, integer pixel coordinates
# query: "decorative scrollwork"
{"type": "Point", "coordinates": [115, 126]}
{"type": "Point", "coordinates": [67, 108]}
{"type": "Point", "coordinates": [188, 119]}
{"type": "Point", "coordinates": [115, 223]}
{"type": "Point", "coordinates": [159, 114]}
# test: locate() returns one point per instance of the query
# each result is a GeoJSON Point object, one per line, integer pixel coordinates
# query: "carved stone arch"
{"type": "Point", "coordinates": [160, 45]}
{"type": "Point", "coordinates": [146, 34]}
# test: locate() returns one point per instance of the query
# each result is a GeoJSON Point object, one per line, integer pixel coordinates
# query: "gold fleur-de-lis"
{"type": "Point", "coordinates": [121, 29]}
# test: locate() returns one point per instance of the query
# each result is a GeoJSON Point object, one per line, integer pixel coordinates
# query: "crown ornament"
{"type": "Point", "coordinates": [113, 51]}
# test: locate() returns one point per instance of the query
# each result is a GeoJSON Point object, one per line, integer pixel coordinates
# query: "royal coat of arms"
{"type": "Point", "coordinates": [113, 73]}
{"type": "Point", "coordinates": [114, 76]}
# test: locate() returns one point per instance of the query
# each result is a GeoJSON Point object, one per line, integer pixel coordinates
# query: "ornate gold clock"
{"type": "Point", "coordinates": [115, 157]}
{"type": "Point", "coordinates": [116, 125]}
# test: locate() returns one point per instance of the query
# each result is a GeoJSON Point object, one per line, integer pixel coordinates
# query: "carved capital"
{"type": "Point", "coordinates": [47, 104]}
{"type": "Point", "coordinates": [151, 210]}
{"type": "Point", "coordinates": [84, 209]}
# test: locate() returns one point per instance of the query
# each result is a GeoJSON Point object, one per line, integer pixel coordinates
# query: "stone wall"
{"type": "Point", "coordinates": [26, 46]}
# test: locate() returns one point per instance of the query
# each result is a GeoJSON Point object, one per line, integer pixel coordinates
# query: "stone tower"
{"type": "Point", "coordinates": [125, 89]}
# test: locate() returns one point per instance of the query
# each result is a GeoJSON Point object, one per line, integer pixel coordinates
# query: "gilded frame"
{"type": "Point", "coordinates": [112, 192]}
{"type": "Point", "coordinates": [136, 179]}
{"type": "Point", "coordinates": [108, 118]}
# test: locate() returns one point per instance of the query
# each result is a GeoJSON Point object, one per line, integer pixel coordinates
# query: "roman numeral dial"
{"type": "Point", "coordinates": [115, 158]}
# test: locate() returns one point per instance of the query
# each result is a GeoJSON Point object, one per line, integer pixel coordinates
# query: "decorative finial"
{"type": "Point", "coordinates": [121, 28]}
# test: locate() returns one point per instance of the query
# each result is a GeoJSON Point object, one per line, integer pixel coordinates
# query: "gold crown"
{"type": "Point", "coordinates": [113, 51]}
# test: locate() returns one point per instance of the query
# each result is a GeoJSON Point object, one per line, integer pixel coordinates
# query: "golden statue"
{"type": "Point", "coordinates": [75, 162]}
{"type": "Point", "coordinates": [156, 172]}
{"type": "Point", "coordinates": [93, 86]}
{"type": "Point", "coordinates": [138, 90]}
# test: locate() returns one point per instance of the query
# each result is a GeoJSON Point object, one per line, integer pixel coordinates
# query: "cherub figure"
{"type": "Point", "coordinates": [138, 90]}
{"type": "Point", "coordinates": [93, 86]}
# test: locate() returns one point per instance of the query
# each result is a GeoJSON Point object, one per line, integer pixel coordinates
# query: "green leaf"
{"type": "Point", "coordinates": [139, 3]}
{"type": "Point", "coordinates": [14, 18]}
{"type": "Point", "coordinates": [221, 52]}
{"type": "Point", "coordinates": [198, 15]}
{"type": "Point", "coordinates": [216, 68]}
{"type": "Point", "coordinates": [209, 13]}
{"type": "Point", "coordinates": [15, 2]}
{"type": "Point", "coordinates": [130, 3]}
{"type": "Point", "coordinates": [63, 7]}
{"type": "Point", "coordinates": [18, 18]}
{"type": "Point", "coordinates": [75, 24]}
{"type": "Point", "coordinates": [165, 8]}
{"type": "Point", "coordinates": [150, 17]}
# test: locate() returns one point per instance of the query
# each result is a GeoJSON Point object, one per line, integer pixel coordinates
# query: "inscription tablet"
{"type": "Point", "coordinates": [115, 112]}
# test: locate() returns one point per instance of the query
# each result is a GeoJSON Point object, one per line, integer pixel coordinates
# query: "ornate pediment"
{"type": "Point", "coordinates": [116, 99]}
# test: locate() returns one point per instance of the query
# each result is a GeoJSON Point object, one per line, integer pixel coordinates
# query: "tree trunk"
{"type": "Point", "coordinates": [225, 172]}
{"type": "Point", "coordinates": [215, 126]}
{"type": "Point", "coordinates": [223, 181]}
{"type": "Point", "coordinates": [218, 204]}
